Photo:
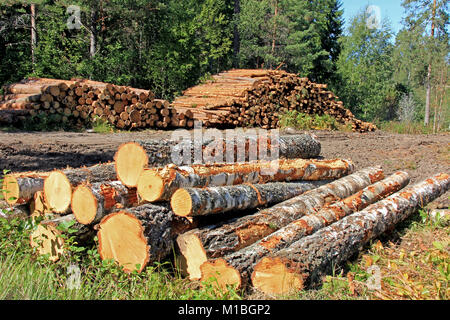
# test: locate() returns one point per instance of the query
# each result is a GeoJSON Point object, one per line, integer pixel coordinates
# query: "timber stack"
{"type": "Point", "coordinates": [80, 102]}
{"type": "Point", "coordinates": [257, 98]}
{"type": "Point", "coordinates": [238, 224]}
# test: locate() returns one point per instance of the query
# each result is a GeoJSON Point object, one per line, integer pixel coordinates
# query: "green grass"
{"type": "Point", "coordinates": [25, 275]}
{"type": "Point", "coordinates": [302, 121]}
{"type": "Point", "coordinates": [407, 127]}
{"type": "Point", "coordinates": [102, 126]}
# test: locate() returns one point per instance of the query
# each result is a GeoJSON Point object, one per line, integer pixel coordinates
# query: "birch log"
{"type": "Point", "coordinates": [304, 262]}
{"type": "Point", "coordinates": [214, 241]}
{"type": "Point", "coordinates": [217, 200]}
{"type": "Point", "coordinates": [58, 185]}
{"type": "Point", "coordinates": [90, 203]}
{"type": "Point", "coordinates": [239, 264]}
{"type": "Point", "coordinates": [162, 183]}
{"type": "Point", "coordinates": [133, 157]}
{"type": "Point", "coordinates": [20, 188]}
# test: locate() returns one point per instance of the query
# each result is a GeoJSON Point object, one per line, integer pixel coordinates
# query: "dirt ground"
{"type": "Point", "coordinates": [420, 155]}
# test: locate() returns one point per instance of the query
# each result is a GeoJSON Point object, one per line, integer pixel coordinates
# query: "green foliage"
{"type": "Point", "coordinates": [304, 121]}
{"type": "Point", "coordinates": [25, 275]}
{"type": "Point", "coordinates": [405, 127]}
{"type": "Point", "coordinates": [102, 126]}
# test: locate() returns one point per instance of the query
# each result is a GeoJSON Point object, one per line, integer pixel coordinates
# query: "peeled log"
{"type": "Point", "coordinates": [20, 188]}
{"type": "Point", "coordinates": [162, 184]}
{"type": "Point", "coordinates": [58, 185]}
{"type": "Point", "coordinates": [90, 203]}
{"type": "Point", "coordinates": [243, 261]}
{"type": "Point", "coordinates": [46, 238]}
{"type": "Point", "coordinates": [303, 263]}
{"type": "Point", "coordinates": [138, 236]}
{"type": "Point", "coordinates": [214, 241]}
{"type": "Point", "coordinates": [215, 200]}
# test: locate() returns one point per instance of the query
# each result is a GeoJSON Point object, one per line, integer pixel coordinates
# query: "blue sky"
{"type": "Point", "coordinates": [390, 9]}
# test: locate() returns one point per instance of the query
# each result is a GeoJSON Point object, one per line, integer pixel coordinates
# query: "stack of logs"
{"type": "Point", "coordinates": [80, 102]}
{"type": "Point", "coordinates": [257, 98]}
{"type": "Point", "coordinates": [275, 226]}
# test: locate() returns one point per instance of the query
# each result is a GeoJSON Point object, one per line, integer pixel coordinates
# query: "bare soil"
{"type": "Point", "coordinates": [421, 156]}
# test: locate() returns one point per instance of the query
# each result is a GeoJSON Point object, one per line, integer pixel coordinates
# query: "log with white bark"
{"type": "Point", "coordinates": [91, 202]}
{"type": "Point", "coordinates": [214, 241]}
{"type": "Point", "coordinates": [58, 185]}
{"type": "Point", "coordinates": [162, 183]}
{"type": "Point", "coordinates": [20, 188]}
{"type": "Point", "coordinates": [239, 265]}
{"type": "Point", "coordinates": [305, 262]}
{"type": "Point", "coordinates": [218, 200]}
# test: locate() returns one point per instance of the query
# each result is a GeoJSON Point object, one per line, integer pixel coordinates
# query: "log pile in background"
{"type": "Point", "coordinates": [79, 102]}
{"type": "Point", "coordinates": [257, 98]}
{"type": "Point", "coordinates": [276, 237]}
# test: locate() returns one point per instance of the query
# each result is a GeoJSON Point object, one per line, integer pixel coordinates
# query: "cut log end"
{"type": "Point", "coordinates": [271, 276]}
{"type": "Point", "coordinates": [10, 190]}
{"type": "Point", "coordinates": [84, 204]}
{"type": "Point", "coordinates": [193, 255]}
{"type": "Point", "coordinates": [150, 187]}
{"type": "Point", "coordinates": [57, 191]}
{"type": "Point", "coordinates": [220, 275]}
{"type": "Point", "coordinates": [47, 240]}
{"type": "Point", "coordinates": [181, 203]}
{"type": "Point", "coordinates": [130, 159]}
{"type": "Point", "coordinates": [121, 238]}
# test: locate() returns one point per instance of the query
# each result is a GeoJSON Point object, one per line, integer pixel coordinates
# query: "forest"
{"type": "Point", "coordinates": [168, 46]}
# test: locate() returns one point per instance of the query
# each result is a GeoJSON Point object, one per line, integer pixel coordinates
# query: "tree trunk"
{"type": "Point", "coordinates": [214, 241]}
{"type": "Point", "coordinates": [236, 34]}
{"type": "Point", "coordinates": [93, 33]}
{"type": "Point", "coordinates": [138, 236]}
{"type": "Point", "coordinates": [165, 181]}
{"type": "Point", "coordinates": [90, 203]}
{"type": "Point", "coordinates": [58, 185]}
{"type": "Point", "coordinates": [428, 96]}
{"type": "Point", "coordinates": [33, 34]}
{"type": "Point", "coordinates": [304, 262]}
{"type": "Point", "coordinates": [218, 200]}
{"type": "Point", "coordinates": [242, 262]}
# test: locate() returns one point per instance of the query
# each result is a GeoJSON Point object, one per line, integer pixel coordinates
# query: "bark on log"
{"type": "Point", "coordinates": [131, 160]}
{"type": "Point", "coordinates": [216, 200]}
{"type": "Point", "coordinates": [242, 262]}
{"type": "Point", "coordinates": [302, 264]}
{"type": "Point", "coordinates": [46, 238]}
{"type": "Point", "coordinates": [138, 236]}
{"type": "Point", "coordinates": [90, 203]}
{"type": "Point", "coordinates": [20, 189]}
{"type": "Point", "coordinates": [214, 241]}
{"type": "Point", "coordinates": [165, 181]}
{"type": "Point", "coordinates": [58, 185]}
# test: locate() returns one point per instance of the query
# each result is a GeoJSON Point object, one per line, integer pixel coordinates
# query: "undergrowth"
{"type": "Point", "coordinates": [302, 121]}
